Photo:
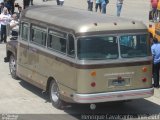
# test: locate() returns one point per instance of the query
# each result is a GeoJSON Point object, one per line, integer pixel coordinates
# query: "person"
{"type": "Point", "coordinates": [26, 3]}
{"type": "Point", "coordinates": [98, 4]}
{"type": "Point", "coordinates": [103, 5]}
{"type": "Point", "coordinates": [61, 2]}
{"type": "Point", "coordinates": [119, 7]}
{"type": "Point", "coordinates": [158, 10]}
{"type": "Point", "coordinates": [88, 2]}
{"type": "Point", "coordinates": [12, 6]}
{"type": "Point", "coordinates": [8, 5]}
{"type": "Point", "coordinates": [155, 49]}
{"type": "Point", "coordinates": [14, 26]}
{"type": "Point", "coordinates": [1, 7]}
{"type": "Point", "coordinates": [90, 5]}
{"type": "Point", "coordinates": [5, 19]}
{"type": "Point", "coordinates": [154, 4]}
{"type": "Point", "coordinates": [31, 1]}
{"type": "Point", "coordinates": [19, 10]}
{"type": "Point", "coordinates": [57, 2]}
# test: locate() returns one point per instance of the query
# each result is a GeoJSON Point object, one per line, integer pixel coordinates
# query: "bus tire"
{"type": "Point", "coordinates": [55, 95]}
{"type": "Point", "coordinates": [12, 66]}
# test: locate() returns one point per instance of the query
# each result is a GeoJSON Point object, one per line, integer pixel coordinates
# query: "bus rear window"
{"type": "Point", "coordinates": [133, 46]}
{"type": "Point", "coordinates": [93, 48]}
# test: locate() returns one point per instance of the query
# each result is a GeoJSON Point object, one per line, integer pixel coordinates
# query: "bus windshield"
{"type": "Point", "coordinates": [133, 46]}
{"type": "Point", "coordinates": [106, 47]}
{"type": "Point", "coordinates": [99, 47]}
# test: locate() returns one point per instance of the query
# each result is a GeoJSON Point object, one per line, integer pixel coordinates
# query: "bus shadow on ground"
{"type": "Point", "coordinates": [137, 109]}
{"type": "Point", "coordinates": [35, 90]}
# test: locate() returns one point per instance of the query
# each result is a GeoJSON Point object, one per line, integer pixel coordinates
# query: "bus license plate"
{"type": "Point", "coordinates": [118, 82]}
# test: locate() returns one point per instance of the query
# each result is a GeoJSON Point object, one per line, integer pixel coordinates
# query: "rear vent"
{"type": "Point", "coordinates": [115, 23]}
{"type": "Point", "coordinates": [133, 22]}
{"type": "Point", "coordinates": [95, 24]}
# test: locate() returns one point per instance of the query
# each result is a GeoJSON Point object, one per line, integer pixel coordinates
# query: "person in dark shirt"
{"type": "Point", "coordinates": [154, 4]}
{"type": "Point", "coordinates": [8, 6]}
{"type": "Point", "coordinates": [12, 5]}
{"type": "Point", "coordinates": [1, 7]}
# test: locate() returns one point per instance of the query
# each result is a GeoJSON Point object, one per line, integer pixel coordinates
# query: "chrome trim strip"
{"type": "Point", "coordinates": [113, 96]}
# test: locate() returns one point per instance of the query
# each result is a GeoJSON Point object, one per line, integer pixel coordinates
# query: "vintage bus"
{"type": "Point", "coordinates": [79, 56]}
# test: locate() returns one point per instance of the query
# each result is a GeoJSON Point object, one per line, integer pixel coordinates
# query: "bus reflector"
{"type": "Point", "coordinates": [95, 24]}
{"type": "Point", "coordinates": [144, 69]}
{"type": "Point", "coordinates": [93, 84]}
{"type": "Point", "coordinates": [133, 22]}
{"type": "Point", "coordinates": [115, 23]}
{"type": "Point", "coordinates": [93, 73]}
{"type": "Point", "coordinates": [144, 79]}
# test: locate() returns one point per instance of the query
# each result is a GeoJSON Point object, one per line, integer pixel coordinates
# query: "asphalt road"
{"type": "Point", "coordinates": [20, 100]}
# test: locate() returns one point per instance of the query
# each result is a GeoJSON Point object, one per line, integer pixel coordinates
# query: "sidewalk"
{"type": "Point", "coordinates": [157, 93]}
{"type": "Point", "coordinates": [128, 9]}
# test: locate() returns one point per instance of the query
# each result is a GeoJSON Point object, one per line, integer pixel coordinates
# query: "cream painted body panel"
{"type": "Point", "coordinates": [134, 73]}
{"type": "Point", "coordinates": [38, 68]}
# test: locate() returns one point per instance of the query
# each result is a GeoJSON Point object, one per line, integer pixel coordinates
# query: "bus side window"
{"type": "Point", "coordinates": [38, 36]}
{"type": "Point", "coordinates": [70, 47]}
{"type": "Point", "coordinates": [56, 43]}
{"type": "Point", "coordinates": [24, 31]}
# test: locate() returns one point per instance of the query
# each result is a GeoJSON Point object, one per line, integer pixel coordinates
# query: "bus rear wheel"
{"type": "Point", "coordinates": [12, 66]}
{"type": "Point", "coordinates": [55, 95]}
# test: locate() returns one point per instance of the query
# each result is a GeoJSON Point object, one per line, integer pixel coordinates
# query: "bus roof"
{"type": "Point", "coordinates": [81, 21]}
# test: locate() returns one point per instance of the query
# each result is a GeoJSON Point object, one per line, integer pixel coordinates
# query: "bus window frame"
{"type": "Point", "coordinates": [57, 34]}
{"type": "Point", "coordinates": [42, 30]}
{"type": "Point", "coordinates": [118, 37]}
{"type": "Point", "coordinates": [74, 39]}
{"type": "Point", "coordinates": [22, 23]}
{"type": "Point", "coordinates": [96, 35]}
{"type": "Point", "coordinates": [135, 34]}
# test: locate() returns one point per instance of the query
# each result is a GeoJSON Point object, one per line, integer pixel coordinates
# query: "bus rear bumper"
{"type": "Point", "coordinates": [113, 96]}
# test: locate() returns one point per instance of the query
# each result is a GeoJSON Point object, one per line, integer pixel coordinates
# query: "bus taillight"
{"type": "Point", "coordinates": [144, 79]}
{"type": "Point", "coordinates": [93, 84]}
